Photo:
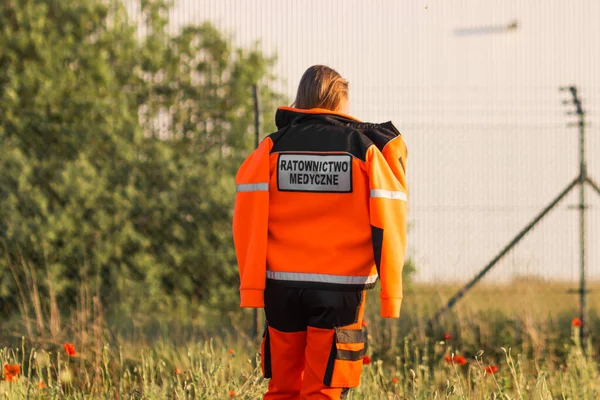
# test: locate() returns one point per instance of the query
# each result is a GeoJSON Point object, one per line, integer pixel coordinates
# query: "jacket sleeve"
{"type": "Point", "coordinates": [395, 154]}
{"type": "Point", "coordinates": [388, 210]}
{"type": "Point", "coordinates": [250, 224]}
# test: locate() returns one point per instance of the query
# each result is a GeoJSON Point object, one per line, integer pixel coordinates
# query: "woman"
{"type": "Point", "coordinates": [320, 214]}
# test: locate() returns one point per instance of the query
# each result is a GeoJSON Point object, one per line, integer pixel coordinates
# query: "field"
{"type": "Point", "coordinates": [124, 123]}
{"type": "Point", "coordinates": [515, 341]}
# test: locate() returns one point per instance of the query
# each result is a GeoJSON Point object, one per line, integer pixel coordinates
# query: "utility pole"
{"type": "Point", "coordinates": [580, 180]}
{"type": "Point", "coordinates": [582, 205]}
{"type": "Point", "coordinates": [256, 315]}
{"type": "Point", "coordinates": [256, 116]}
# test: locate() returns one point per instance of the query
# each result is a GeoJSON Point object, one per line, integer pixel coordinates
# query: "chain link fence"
{"type": "Point", "coordinates": [484, 121]}
{"type": "Point", "coordinates": [476, 95]}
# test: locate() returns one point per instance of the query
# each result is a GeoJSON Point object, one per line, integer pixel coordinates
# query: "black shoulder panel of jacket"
{"type": "Point", "coordinates": [328, 133]}
{"type": "Point", "coordinates": [379, 134]}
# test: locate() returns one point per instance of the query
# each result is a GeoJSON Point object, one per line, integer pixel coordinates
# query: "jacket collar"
{"type": "Point", "coordinates": [285, 115]}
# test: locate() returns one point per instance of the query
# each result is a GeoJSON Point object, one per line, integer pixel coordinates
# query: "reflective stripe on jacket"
{"type": "Point", "coordinates": [322, 203]}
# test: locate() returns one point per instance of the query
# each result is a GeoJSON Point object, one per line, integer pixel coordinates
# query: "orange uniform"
{"type": "Point", "coordinates": [320, 213]}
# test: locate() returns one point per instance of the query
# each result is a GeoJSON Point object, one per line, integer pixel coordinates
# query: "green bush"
{"type": "Point", "coordinates": [119, 148]}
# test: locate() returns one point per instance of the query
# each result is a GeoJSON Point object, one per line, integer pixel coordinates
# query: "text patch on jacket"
{"type": "Point", "coordinates": [314, 173]}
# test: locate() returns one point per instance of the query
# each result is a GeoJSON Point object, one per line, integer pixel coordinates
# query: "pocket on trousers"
{"type": "Point", "coordinates": [265, 354]}
{"type": "Point", "coordinates": [345, 360]}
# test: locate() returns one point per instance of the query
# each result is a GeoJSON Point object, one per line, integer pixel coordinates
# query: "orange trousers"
{"type": "Point", "coordinates": [313, 344]}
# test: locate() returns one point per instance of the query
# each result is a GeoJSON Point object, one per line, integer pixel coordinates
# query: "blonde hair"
{"type": "Point", "coordinates": [321, 87]}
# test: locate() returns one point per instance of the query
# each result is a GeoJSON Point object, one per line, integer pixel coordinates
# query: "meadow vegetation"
{"type": "Point", "coordinates": [482, 350]}
{"type": "Point", "coordinates": [119, 143]}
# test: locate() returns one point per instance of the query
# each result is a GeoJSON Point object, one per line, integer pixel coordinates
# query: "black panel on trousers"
{"type": "Point", "coordinates": [291, 309]}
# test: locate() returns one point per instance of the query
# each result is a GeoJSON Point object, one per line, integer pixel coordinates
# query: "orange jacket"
{"type": "Point", "coordinates": [322, 203]}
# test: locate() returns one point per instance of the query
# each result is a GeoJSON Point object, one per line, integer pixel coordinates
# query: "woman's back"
{"type": "Point", "coordinates": [319, 225]}
{"type": "Point", "coordinates": [320, 215]}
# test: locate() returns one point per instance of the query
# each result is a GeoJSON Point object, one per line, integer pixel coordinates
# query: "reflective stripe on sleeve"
{"type": "Point", "coordinates": [322, 278]}
{"type": "Point", "coordinates": [388, 194]}
{"type": "Point", "coordinates": [252, 187]}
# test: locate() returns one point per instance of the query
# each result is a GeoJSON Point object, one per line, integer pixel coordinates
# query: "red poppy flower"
{"type": "Point", "coordinates": [576, 322]}
{"type": "Point", "coordinates": [231, 351]}
{"type": "Point", "coordinates": [232, 393]}
{"type": "Point", "coordinates": [42, 385]}
{"type": "Point", "coordinates": [70, 349]}
{"type": "Point", "coordinates": [455, 359]}
{"type": "Point", "coordinates": [394, 380]}
{"type": "Point", "coordinates": [491, 369]}
{"type": "Point", "coordinates": [11, 372]}
{"type": "Point", "coordinates": [447, 336]}
{"type": "Point", "coordinates": [177, 371]}
{"type": "Point", "coordinates": [366, 360]}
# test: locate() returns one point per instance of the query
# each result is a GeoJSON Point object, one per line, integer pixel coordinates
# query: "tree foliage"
{"type": "Point", "coordinates": [118, 149]}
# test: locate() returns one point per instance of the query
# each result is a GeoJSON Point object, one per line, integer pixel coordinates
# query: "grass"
{"type": "Point", "coordinates": [213, 370]}
{"type": "Point", "coordinates": [525, 330]}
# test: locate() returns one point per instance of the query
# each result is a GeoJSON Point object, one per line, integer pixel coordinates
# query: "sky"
{"type": "Point", "coordinates": [481, 114]}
